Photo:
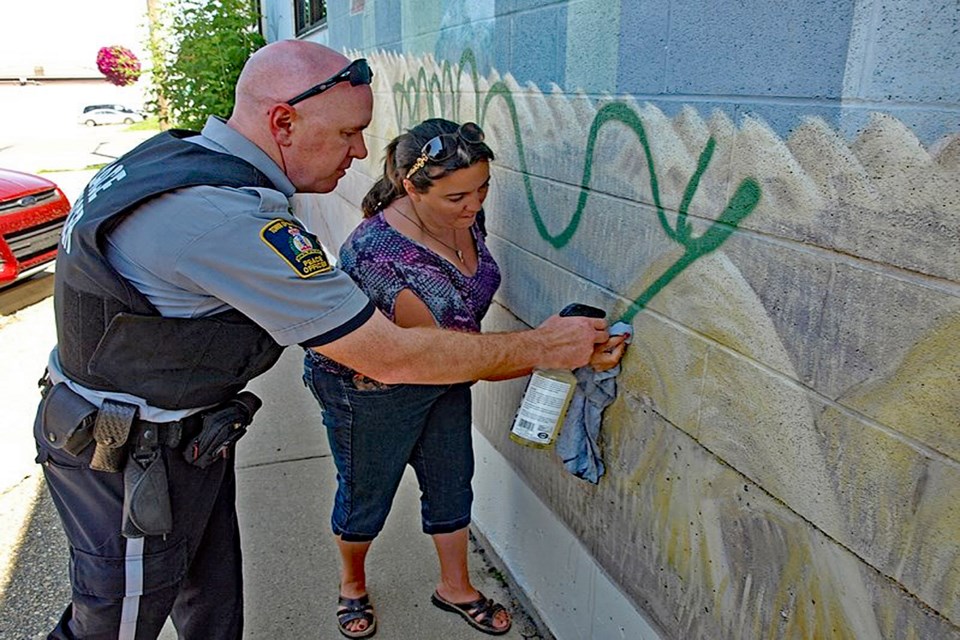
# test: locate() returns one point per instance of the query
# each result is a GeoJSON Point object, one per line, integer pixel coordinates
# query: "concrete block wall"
{"type": "Point", "coordinates": [770, 192]}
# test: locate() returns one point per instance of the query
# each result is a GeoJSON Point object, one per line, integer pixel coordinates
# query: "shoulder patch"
{"type": "Point", "coordinates": [298, 247]}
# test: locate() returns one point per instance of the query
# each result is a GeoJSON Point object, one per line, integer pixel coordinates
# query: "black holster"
{"type": "Point", "coordinates": [222, 427]}
{"type": "Point", "coordinates": [146, 495]}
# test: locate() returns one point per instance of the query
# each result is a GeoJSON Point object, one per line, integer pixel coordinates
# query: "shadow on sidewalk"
{"type": "Point", "coordinates": [39, 588]}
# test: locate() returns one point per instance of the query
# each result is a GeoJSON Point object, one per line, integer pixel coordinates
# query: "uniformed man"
{"type": "Point", "coordinates": [182, 275]}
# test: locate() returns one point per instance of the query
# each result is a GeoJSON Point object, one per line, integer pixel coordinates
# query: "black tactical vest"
{"type": "Point", "coordinates": [110, 337]}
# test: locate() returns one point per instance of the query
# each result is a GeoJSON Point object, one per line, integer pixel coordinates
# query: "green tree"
{"type": "Point", "coordinates": [198, 49]}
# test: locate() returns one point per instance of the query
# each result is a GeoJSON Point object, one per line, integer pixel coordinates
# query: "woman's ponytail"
{"type": "Point", "coordinates": [387, 188]}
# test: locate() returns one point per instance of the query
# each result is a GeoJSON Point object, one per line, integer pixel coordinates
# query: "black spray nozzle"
{"type": "Point", "coordinates": [585, 310]}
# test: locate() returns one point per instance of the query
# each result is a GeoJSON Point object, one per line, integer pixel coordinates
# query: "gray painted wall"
{"type": "Point", "coordinates": [770, 192]}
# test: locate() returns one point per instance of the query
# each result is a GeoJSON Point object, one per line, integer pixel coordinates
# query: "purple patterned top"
{"type": "Point", "coordinates": [384, 262]}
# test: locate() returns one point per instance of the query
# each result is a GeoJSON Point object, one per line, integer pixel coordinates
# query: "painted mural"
{"type": "Point", "coordinates": [784, 457]}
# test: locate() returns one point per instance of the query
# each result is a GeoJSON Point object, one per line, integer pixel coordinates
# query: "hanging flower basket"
{"type": "Point", "coordinates": [119, 65]}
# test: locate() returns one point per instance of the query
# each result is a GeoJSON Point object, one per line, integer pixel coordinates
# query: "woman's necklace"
{"type": "Point", "coordinates": [419, 224]}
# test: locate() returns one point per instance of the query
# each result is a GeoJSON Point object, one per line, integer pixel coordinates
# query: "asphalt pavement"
{"type": "Point", "coordinates": [286, 477]}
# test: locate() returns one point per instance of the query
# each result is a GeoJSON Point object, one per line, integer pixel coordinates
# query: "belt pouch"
{"type": "Point", "coordinates": [146, 495]}
{"type": "Point", "coordinates": [66, 420]}
{"type": "Point", "coordinates": [111, 431]}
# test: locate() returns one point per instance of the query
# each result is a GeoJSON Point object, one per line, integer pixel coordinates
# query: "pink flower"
{"type": "Point", "coordinates": [119, 65]}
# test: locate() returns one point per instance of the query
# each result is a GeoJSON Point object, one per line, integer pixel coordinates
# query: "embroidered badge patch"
{"type": "Point", "coordinates": [297, 246]}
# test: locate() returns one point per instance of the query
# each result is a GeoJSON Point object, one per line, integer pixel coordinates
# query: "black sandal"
{"type": "Point", "coordinates": [350, 609]}
{"type": "Point", "coordinates": [480, 613]}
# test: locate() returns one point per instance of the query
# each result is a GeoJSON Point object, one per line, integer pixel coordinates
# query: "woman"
{"type": "Point", "coordinates": [420, 256]}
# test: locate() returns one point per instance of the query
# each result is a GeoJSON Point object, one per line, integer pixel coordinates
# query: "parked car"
{"type": "Point", "coordinates": [118, 107]}
{"type": "Point", "coordinates": [109, 115]}
{"type": "Point", "coordinates": [32, 213]}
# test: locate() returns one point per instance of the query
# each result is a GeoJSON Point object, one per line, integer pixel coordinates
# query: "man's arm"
{"type": "Point", "coordinates": [391, 354]}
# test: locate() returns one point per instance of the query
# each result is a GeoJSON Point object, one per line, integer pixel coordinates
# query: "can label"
{"type": "Point", "coordinates": [539, 413]}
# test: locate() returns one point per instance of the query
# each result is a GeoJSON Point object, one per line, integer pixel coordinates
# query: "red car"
{"type": "Point", "coordinates": [32, 213]}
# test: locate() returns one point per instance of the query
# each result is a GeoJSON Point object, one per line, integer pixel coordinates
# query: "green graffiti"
{"type": "Point", "coordinates": [407, 99]}
{"type": "Point", "coordinates": [407, 96]}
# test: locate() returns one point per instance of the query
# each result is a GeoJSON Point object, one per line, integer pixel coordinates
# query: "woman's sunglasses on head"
{"type": "Point", "coordinates": [444, 146]}
{"type": "Point", "coordinates": [357, 72]}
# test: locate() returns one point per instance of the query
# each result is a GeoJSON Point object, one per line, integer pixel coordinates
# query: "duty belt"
{"type": "Point", "coordinates": [116, 423]}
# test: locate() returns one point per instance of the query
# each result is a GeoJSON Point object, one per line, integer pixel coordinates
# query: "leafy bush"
{"type": "Point", "coordinates": [198, 49]}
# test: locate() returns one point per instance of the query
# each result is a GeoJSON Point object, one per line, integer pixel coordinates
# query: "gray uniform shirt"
{"type": "Point", "coordinates": [198, 251]}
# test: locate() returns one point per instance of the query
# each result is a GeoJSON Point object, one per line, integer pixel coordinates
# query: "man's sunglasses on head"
{"type": "Point", "coordinates": [357, 72]}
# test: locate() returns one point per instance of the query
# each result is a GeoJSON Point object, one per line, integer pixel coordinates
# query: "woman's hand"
{"type": "Point", "coordinates": [608, 355]}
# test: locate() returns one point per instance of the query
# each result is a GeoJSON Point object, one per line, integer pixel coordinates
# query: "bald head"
{"type": "Point", "coordinates": [279, 71]}
{"type": "Point", "coordinates": [314, 141]}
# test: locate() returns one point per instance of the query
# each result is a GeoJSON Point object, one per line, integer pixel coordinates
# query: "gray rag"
{"type": "Point", "coordinates": [577, 443]}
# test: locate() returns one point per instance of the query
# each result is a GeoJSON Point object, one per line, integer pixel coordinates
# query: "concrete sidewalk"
{"type": "Point", "coordinates": [286, 482]}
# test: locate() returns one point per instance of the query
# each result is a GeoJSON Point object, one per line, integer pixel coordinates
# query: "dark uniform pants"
{"type": "Point", "coordinates": [126, 588]}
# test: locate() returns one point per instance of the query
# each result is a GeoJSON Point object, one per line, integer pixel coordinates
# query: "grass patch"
{"type": "Point", "coordinates": [150, 124]}
{"type": "Point", "coordinates": [89, 167]}
{"type": "Point", "coordinates": [498, 575]}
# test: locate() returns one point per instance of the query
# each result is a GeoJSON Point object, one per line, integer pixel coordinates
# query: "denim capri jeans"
{"type": "Point", "coordinates": [375, 430]}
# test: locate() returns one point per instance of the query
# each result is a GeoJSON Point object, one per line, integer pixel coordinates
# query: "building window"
{"type": "Point", "coordinates": [309, 14]}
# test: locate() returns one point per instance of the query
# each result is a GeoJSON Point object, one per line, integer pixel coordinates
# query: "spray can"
{"type": "Point", "coordinates": [547, 396]}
